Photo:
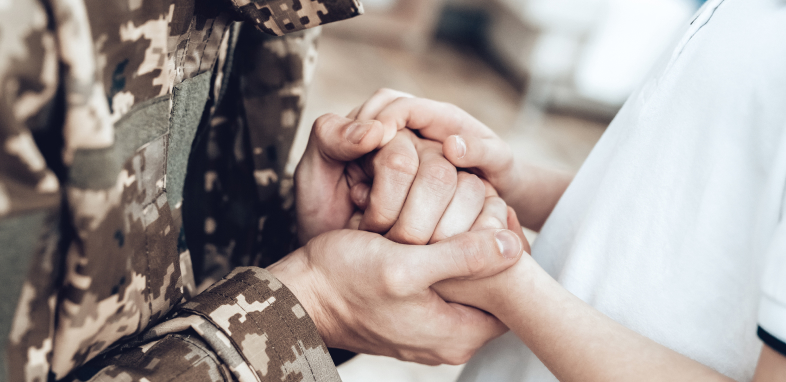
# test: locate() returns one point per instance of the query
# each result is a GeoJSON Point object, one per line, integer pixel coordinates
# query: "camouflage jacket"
{"type": "Point", "coordinates": [142, 149]}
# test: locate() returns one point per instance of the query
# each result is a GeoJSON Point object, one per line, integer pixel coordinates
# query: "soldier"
{"type": "Point", "coordinates": [142, 147]}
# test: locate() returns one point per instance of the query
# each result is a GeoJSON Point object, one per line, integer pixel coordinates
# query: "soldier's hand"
{"type": "Point", "coordinates": [321, 187]}
{"type": "Point", "coordinates": [408, 190]}
{"type": "Point", "coordinates": [371, 295]}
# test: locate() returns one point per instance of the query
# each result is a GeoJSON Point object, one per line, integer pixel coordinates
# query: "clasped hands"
{"type": "Point", "coordinates": [391, 224]}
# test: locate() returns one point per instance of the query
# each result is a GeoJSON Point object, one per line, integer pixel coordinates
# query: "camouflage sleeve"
{"type": "Point", "coordinates": [248, 326]}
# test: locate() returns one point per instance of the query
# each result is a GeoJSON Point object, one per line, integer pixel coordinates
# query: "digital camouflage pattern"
{"type": "Point", "coordinates": [142, 154]}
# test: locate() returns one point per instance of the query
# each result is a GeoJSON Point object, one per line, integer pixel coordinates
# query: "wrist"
{"type": "Point", "coordinates": [534, 192]}
{"type": "Point", "coordinates": [516, 290]}
{"type": "Point", "coordinates": [302, 280]}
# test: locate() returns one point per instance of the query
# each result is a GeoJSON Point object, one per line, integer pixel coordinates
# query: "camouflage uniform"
{"type": "Point", "coordinates": [105, 242]}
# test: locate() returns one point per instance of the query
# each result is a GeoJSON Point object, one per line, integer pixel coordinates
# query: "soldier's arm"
{"type": "Point", "coordinates": [247, 327]}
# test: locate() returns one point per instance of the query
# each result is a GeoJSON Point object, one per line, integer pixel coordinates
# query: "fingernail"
{"type": "Point", "coordinates": [461, 147]}
{"type": "Point", "coordinates": [357, 130]}
{"type": "Point", "coordinates": [508, 243]}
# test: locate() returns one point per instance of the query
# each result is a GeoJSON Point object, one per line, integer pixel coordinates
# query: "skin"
{"type": "Point", "coordinates": [531, 190]}
{"type": "Point", "coordinates": [370, 294]}
{"type": "Point", "coordinates": [430, 206]}
{"type": "Point", "coordinates": [524, 297]}
{"type": "Point", "coordinates": [544, 316]}
{"type": "Point", "coordinates": [413, 186]}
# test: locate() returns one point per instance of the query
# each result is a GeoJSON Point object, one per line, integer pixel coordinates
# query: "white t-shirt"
{"type": "Point", "coordinates": [676, 224]}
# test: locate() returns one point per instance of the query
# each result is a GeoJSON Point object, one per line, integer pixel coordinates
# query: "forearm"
{"type": "Point", "coordinates": [535, 192]}
{"type": "Point", "coordinates": [577, 342]}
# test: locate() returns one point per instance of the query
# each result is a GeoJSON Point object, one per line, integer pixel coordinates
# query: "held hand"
{"type": "Point", "coordinates": [368, 294]}
{"type": "Point", "coordinates": [417, 196]}
{"type": "Point", "coordinates": [413, 184]}
{"type": "Point", "coordinates": [489, 293]}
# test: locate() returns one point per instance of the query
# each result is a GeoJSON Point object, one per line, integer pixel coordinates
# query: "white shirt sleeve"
{"type": "Point", "coordinates": [772, 308]}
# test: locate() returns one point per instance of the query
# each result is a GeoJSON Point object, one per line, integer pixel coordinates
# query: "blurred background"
{"type": "Point", "coordinates": [547, 75]}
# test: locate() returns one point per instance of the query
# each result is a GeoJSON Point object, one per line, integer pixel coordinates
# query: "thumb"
{"type": "Point", "coordinates": [338, 139]}
{"type": "Point", "coordinates": [321, 190]}
{"type": "Point", "coordinates": [490, 155]}
{"type": "Point", "coordinates": [471, 255]}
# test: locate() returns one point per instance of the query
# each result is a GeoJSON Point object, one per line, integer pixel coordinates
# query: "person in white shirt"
{"type": "Point", "coordinates": [665, 257]}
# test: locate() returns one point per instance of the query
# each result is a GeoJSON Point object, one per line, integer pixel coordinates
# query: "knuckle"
{"type": "Point", "coordinates": [471, 260]}
{"type": "Point", "coordinates": [398, 162]}
{"type": "Point", "coordinates": [472, 183]}
{"type": "Point", "coordinates": [322, 124]}
{"type": "Point", "coordinates": [323, 120]}
{"type": "Point", "coordinates": [440, 174]}
{"type": "Point", "coordinates": [474, 260]}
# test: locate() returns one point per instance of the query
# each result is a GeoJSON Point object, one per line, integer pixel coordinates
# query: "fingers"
{"type": "Point", "coordinates": [374, 105]}
{"type": "Point", "coordinates": [359, 193]}
{"type": "Point", "coordinates": [394, 169]}
{"type": "Point", "coordinates": [467, 143]}
{"type": "Point", "coordinates": [491, 156]}
{"type": "Point", "coordinates": [320, 186]}
{"type": "Point", "coordinates": [493, 216]}
{"type": "Point", "coordinates": [341, 140]}
{"type": "Point", "coordinates": [429, 196]}
{"type": "Point", "coordinates": [515, 226]}
{"type": "Point", "coordinates": [380, 296]}
{"type": "Point", "coordinates": [381, 98]}
{"type": "Point", "coordinates": [463, 209]}
{"type": "Point", "coordinates": [490, 190]}
{"type": "Point", "coordinates": [354, 221]}
{"type": "Point", "coordinates": [470, 255]}
{"type": "Point", "coordinates": [435, 120]}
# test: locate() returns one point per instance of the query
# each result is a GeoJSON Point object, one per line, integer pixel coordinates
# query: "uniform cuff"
{"type": "Point", "coordinates": [264, 321]}
{"type": "Point", "coordinates": [282, 17]}
{"type": "Point", "coordinates": [772, 324]}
